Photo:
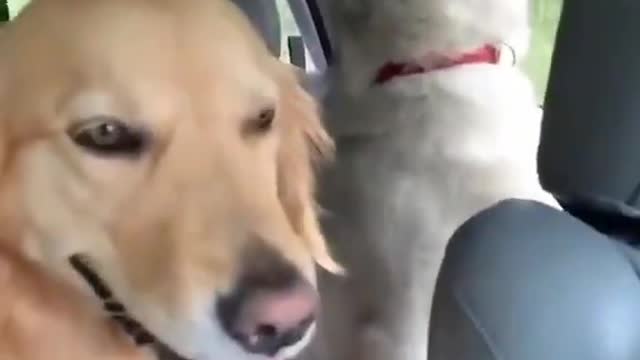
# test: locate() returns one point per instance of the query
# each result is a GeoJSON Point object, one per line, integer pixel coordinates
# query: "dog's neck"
{"type": "Point", "coordinates": [487, 54]}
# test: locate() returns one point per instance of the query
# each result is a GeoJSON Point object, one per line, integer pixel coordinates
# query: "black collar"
{"type": "Point", "coordinates": [117, 311]}
{"type": "Point", "coordinates": [112, 306]}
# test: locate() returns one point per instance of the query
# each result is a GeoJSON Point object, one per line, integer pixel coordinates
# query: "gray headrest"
{"type": "Point", "coordinates": [590, 145]}
{"type": "Point", "coordinates": [264, 16]}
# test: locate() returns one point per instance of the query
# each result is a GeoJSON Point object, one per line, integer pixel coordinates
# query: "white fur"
{"type": "Point", "coordinates": [416, 158]}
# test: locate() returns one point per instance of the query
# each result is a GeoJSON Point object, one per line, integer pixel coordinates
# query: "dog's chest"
{"type": "Point", "coordinates": [402, 194]}
{"type": "Point", "coordinates": [388, 202]}
{"type": "Point", "coordinates": [411, 168]}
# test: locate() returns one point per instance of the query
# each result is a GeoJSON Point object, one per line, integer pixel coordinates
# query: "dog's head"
{"type": "Point", "coordinates": [369, 33]}
{"type": "Point", "coordinates": [161, 142]}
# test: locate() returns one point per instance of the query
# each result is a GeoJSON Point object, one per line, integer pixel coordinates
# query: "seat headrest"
{"type": "Point", "coordinates": [590, 143]}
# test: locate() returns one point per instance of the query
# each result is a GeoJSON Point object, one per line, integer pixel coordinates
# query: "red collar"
{"type": "Point", "coordinates": [488, 54]}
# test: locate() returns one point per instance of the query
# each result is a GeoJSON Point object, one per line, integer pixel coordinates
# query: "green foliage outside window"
{"type": "Point", "coordinates": [15, 6]}
{"type": "Point", "coordinates": [545, 17]}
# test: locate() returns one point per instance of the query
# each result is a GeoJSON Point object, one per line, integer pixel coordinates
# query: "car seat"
{"type": "Point", "coordinates": [523, 281]}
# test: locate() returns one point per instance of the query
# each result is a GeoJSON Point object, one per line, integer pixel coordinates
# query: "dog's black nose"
{"type": "Point", "coordinates": [272, 308]}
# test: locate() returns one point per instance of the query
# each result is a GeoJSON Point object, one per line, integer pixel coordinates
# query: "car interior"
{"type": "Point", "coordinates": [522, 280]}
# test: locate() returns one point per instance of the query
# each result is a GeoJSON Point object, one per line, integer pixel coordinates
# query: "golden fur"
{"type": "Point", "coordinates": [167, 230]}
{"type": "Point", "coordinates": [42, 317]}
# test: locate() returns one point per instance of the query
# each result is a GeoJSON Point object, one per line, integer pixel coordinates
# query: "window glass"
{"type": "Point", "coordinates": [545, 18]}
{"type": "Point", "coordinates": [290, 28]}
{"type": "Point", "coordinates": [15, 6]}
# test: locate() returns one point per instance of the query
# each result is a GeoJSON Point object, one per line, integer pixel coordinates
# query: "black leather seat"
{"type": "Point", "coordinates": [523, 281]}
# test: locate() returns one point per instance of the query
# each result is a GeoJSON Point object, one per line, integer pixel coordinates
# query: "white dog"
{"type": "Point", "coordinates": [433, 123]}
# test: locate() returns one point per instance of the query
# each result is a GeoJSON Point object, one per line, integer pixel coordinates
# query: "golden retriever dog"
{"type": "Point", "coordinates": [157, 159]}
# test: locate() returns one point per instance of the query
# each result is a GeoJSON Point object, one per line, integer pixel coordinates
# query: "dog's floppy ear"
{"type": "Point", "coordinates": [304, 145]}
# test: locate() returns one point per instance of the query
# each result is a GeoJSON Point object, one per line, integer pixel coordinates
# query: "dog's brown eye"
{"type": "Point", "coordinates": [107, 136]}
{"type": "Point", "coordinates": [264, 121]}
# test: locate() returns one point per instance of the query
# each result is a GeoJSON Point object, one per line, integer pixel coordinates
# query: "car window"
{"type": "Point", "coordinates": [292, 38]}
{"type": "Point", "coordinates": [289, 28]}
{"type": "Point", "coordinates": [15, 6]}
{"type": "Point", "coordinates": [545, 18]}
